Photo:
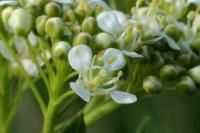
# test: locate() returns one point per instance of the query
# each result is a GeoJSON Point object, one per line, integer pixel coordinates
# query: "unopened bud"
{"type": "Point", "coordinates": [82, 9]}
{"type": "Point", "coordinates": [103, 40]}
{"type": "Point", "coordinates": [68, 16]}
{"type": "Point", "coordinates": [191, 15]}
{"type": "Point", "coordinates": [186, 84]}
{"type": "Point", "coordinates": [61, 49]}
{"type": "Point", "coordinates": [169, 72]}
{"type": "Point", "coordinates": [151, 85]}
{"type": "Point", "coordinates": [33, 9]}
{"type": "Point", "coordinates": [89, 25]}
{"type": "Point", "coordinates": [52, 9]}
{"type": "Point", "coordinates": [82, 38]}
{"type": "Point", "coordinates": [40, 24]}
{"type": "Point", "coordinates": [194, 73]}
{"type": "Point", "coordinates": [5, 16]}
{"type": "Point", "coordinates": [172, 31]}
{"type": "Point", "coordinates": [21, 22]}
{"type": "Point", "coordinates": [54, 27]}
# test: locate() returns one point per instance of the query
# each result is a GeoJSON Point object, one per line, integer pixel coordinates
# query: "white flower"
{"type": "Point", "coordinates": [88, 84]}
{"type": "Point", "coordinates": [8, 2]}
{"type": "Point", "coordinates": [80, 58]}
{"type": "Point", "coordinates": [111, 22]}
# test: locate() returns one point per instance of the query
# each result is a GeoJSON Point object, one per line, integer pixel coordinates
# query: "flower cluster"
{"type": "Point", "coordinates": [95, 51]}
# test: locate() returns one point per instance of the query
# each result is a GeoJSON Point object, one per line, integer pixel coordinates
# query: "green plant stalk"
{"type": "Point", "coordinates": [50, 118]}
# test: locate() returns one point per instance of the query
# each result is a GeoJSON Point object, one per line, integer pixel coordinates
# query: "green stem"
{"type": "Point", "coordinates": [50, 118]}
{"type": "Point", "coordinates": [100, 112]}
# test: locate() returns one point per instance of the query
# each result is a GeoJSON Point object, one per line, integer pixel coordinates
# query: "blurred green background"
{"type": "Point", "coordinates": [164, 113]}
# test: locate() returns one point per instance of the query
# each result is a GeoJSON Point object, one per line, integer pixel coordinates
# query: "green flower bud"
{"type": "Point", "coordinates": [68, 16]}
{"type": "Point", "coordinates": [170, 72]}
{"type": "Point", "coordinates": [76, 29]}
{"type": "Point", "coordinates": [52, 9]}
{"type": "Point", "coordinates": [172, 31]}
{"type": "Point", "coordinates": [82, 9]}
{"type": "Point", "coordinates": [128, 34]}
{"type": "Point", "coordinates": [82, 38]}
{"type": "Point", "coordinates": [98, 10]}
{"type": "Point", "coordinates": [151, 85]}
{"type": "Point", "coordinates": [33, 9]}
{"type": "Point", "coordinates": [89, 25]}
{"type": "Point", "coordinates": [194, 73]}
{"type": "Point", "coordinates": [196, 45]}
{"type": "Point", "coordinates": [186, 84]}
{"type": "Point", "coordinates": [61, 49]}
{"type": "Point", "coordinates": [186, 59]}
{"type": "Point", "coordinates": [103, 40]}
{"type": "Point", "coordinates": [21, 22]}
{"type": "Point", "coordinates": [191, 15]}
{"type": "Point", "coordinates": [5, 16]}
{"type": "Point", "coordinates": [40, 24]}
{"type": "Point", "coordinates": [54, 27]}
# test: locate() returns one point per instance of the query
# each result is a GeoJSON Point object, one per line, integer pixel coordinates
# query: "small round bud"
{"type": "Point", "coordinates": [82, 9]}
{"type": "Point", "coordinates": [186, 59]}
{"type": "Point", "coordinates": [191, 15]}
{"type": "Point", "coordinates": [61, 49]}
{"type": "Point", "coordinates": [76, 29]}
{"type": "Point", "coordinates": [33, 9]}
{"type": "Point", "coordinates": [89, 25]}
{"type": "Point", "coordinates": [196, 45]}
{"type": "Point", "coordinates": [5, 16]}
{"type": "Point", "coordinates": [151, 85]}
{"type": "Point", "coordinates": [186, 84]}
{"type": "Point", "coordinates": [82, 38]}
{"type": "Point", "coordinates": [194, 73]}
{"type": "Point", "coordinates": [172, 31]}
{"type": "Point", "coordinates": [52, 9]}
{"type": "Point", "coordinates": [21, 22]}
{"type": "Point", "coordinates": [103, 40]}
{"type": "Point", "coordinates": [169, 72]}
{"type": "Point", "coordinates": [98, 9]}
{"type": "Point", "coordinates": [68, 16]}
{"type": "Point", "coordinates": [40, 24]}
{"type": "Point", "coordinates": [54, 27]}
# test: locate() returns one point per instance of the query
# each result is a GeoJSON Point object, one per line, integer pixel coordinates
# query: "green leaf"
{"type": "Point", "coordinates": [76, 125]}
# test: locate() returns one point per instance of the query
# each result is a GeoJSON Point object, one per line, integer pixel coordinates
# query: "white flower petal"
{"type": "Point", "coordinates": [4, 52]}
{"type": "Point", "coordinates": [109, 23]}
{"type": "Point", "coordinates": [131, 54]}
{"type": "Point", "coordinates": [120, 17]}
{"type": "Point", "coordinates": [113, 60]}
{"type": "Point", "coordinates": [33, 39]}
{"type": "Point", "coordinates": [80, 58]}
{"type": "Point", "coordinates": [123, 97]}
{"type": "Point", "coordinates": [94, 3]}
{"type": "Point", "coordinates": [80, 91]}
{"type": "Point", "coordinates": [30, 67]}
{"type": "Point", "coordinates": [8, 2]}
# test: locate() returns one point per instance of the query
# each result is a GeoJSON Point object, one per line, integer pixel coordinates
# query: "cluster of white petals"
{"type": "Point", "coordinates": [80, 58]}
